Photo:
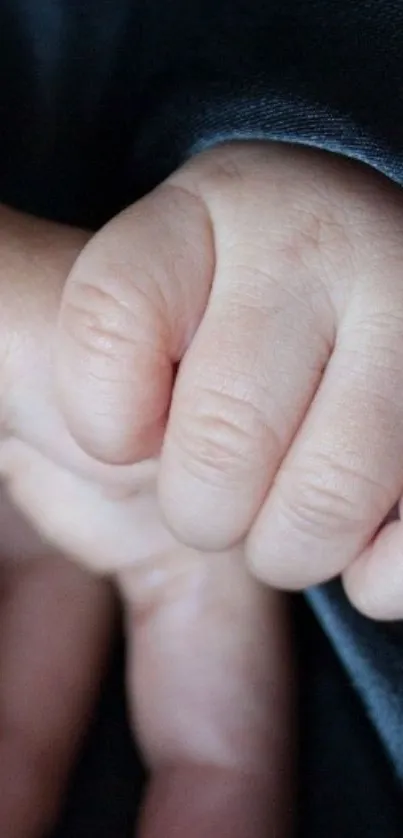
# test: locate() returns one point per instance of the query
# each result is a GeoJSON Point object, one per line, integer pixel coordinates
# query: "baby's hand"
{"type": "Point", "coordinates": [209, 662]}
{"type": "Point", "coordinates": [273, 275]}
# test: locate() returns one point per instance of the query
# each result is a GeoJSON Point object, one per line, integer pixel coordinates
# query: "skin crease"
{"type": "Point", "coordinates": [285, 266]}
{"type": "Point", "coordinates": [277, 288]}
{"type": "Point", "coordinates": [215, 645]}
{"type": "Point", "coordinates": [210, 675]}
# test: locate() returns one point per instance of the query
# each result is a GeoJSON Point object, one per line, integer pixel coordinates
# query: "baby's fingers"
{"type": "Point", "coordinates": [344, 471]}
{"type": "Point", "coordinates": [374, 582]}
{"type": "Point", "coordinates": [211, 692]}
{"type": "Point", "coordinates": [130, 307]}
{"type": "Point", "coordinates": [241, 393]}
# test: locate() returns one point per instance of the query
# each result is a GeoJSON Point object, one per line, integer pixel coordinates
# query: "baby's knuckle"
{"type": "Point", "coordinates": [101, 324]}
{"type": "Point", "coordinates": [384, 327]}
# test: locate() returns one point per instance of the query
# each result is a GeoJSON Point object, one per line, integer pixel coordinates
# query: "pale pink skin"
{"type": "Point", "coordinates": [272, 276]}
{"type": "Point", "coordinates": [210, 680]}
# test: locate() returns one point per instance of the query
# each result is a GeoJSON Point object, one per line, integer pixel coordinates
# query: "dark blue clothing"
{"type": "Point", "coordinates": [99, 101]}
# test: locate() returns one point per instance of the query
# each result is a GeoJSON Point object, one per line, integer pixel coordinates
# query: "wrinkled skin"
{"type": "Point", "coordinates": [209, 686]}
{"type": "Point", "coordinates": [272, 277]}
{"type": "Point", "coordinates": [210, 681]}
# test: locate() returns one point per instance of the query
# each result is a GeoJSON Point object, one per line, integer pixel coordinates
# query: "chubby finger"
{"type": "Point", "coordinates": [35, 258]}
{"type": "Point", "coordinates": [104, 528]}
{"type": "Point", "coordinates": [54, 640]}
{"type": "Point", "coordinates": [374, 581]}
{"type": "Point", "coordinates": [130, 307]}
{"type": "Point", "coordinates": [211, 691]}
{"type": "Point", "coordinates": [344, 470]}
{"type": "Point", "coordinates": [243, 387]}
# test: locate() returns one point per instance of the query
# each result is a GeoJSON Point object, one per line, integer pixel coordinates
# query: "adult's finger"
{"type": "Point", "coordinates": [211, 690]}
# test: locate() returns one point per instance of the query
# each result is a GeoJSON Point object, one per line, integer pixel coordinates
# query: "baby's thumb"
{"type": "Point", "coordinates": [130, 307]}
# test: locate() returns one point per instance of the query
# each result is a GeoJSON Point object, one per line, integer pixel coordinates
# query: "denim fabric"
{"type": "Point", "coordinates": [99, 101]}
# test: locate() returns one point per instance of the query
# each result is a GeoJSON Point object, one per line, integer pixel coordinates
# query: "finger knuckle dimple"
{"type": "Point", "coordinates": [223, 438]}
{"type": "Point", "coordinates": [317, 504]}
{"type": "Point", "coordinates": [101, 324]}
